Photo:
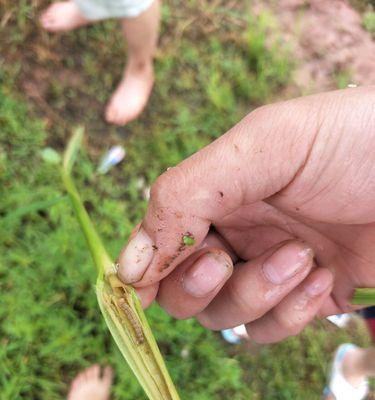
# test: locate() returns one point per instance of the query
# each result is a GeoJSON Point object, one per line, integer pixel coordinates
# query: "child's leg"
{"type": "Point", "coordinates": [131, 95]}
{"type": "Point", "coordinates": [62, 16]}
{"type": "Point", "coordinates": [141, 34]}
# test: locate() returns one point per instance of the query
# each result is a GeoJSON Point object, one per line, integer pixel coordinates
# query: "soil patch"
{"type": "Point", "coordinates": [328, 41]}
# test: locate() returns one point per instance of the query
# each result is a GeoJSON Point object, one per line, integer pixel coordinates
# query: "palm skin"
{"type": "Point", "coordinates": [344, 249]}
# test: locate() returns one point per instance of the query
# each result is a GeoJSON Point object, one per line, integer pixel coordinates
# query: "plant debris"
{"type": "Point", "coordinates": [188, 239]}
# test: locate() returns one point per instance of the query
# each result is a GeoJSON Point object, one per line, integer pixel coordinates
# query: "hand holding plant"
{"type": "Point", "coordinates": [287, 196]}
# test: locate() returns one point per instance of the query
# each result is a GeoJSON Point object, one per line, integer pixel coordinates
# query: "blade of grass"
{"type": "Point", "coordinates": [31, 208]}
{"type": "Point", "coordinates": [119, 303]}
{"type": "Point", "coordinates": [98, 252]}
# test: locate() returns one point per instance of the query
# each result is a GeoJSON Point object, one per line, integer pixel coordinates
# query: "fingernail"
{"type": "Point", "coordinates": [136, 257]}
{"type": "Point", "coordinates": [207, 273]}
{"type": "Point", "coordinates": [318, 286]}
{"type": "Point", "coordinates": [286, 262]}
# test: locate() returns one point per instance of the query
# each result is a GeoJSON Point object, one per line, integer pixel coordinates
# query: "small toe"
{"type": "Point", "coordinates": [109, 114]}
{"type": "Point", "coordinates": [45, 19]}
{"type": "Point", "coordinates": [86, 374]}
{"type": "Point", "coordinates": [91, 372]}
{"type": "Point", "coordinates": [80, 376]}
{"type": "Point", "coordinates": [95, 371]}
{"type": "Point", "coordinates": [113, 116]}
{"type": "Point", "coordinates": [108, 375]}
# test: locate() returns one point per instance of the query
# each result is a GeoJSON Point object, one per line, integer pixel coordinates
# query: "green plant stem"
{"type": "Point", "coordinates": [364, 296]}
{"type": "Point", "coordinates": [118, 302]}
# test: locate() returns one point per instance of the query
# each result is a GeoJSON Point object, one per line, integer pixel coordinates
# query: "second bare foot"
{"type": "Point", "coordinates": [350, 369]}
{"type": "Point", "coordinates": [90, 385]}
{"type": "Point", "coordinates": [131, 95]}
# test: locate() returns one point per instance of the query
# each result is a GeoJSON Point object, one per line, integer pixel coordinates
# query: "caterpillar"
{"type": "Point", "coordinates": [134, 321]}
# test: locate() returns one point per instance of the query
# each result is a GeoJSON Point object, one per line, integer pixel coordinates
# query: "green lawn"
{"type": "Point", "coordinates": [212, 68]}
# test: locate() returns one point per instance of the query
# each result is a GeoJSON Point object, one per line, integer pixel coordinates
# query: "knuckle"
{"type": "Point", "coordinates": [180, 314]}
{"type": "Point", "coordinates": [160, 184]}
{"type": "Point", "coordinates": [172, 307]}
{"type": "Point", "coordinates": [245, 307]}
{"type": "Point", "coordinates": [208, 322]}
{"type": "Point", "coordinates": [291, 326]}
{"type": "Point", "coordinates": [255, 334]}
{"type": "Point", "coordinates": [258, 337]}
{"type": "Point", "coordinates": [173, 310]}
{"type": "Point", "coordinates": [164, 188]}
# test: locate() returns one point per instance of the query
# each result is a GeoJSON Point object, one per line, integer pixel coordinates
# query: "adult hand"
{"type": "Point", "coordinates": [270, 225]}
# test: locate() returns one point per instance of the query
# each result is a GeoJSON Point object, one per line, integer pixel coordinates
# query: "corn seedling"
{"type": "Point", "coordinates": [364, 296]}
{"type": "Point", "coordinates": [118, 302]}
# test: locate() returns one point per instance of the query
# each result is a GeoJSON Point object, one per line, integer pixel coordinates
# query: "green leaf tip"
{"type": "Point", "coordinates": [72, 149]}
{"type": "Point", "coordinates": [364, 296]}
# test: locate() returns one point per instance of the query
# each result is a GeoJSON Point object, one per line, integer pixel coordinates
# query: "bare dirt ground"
{"type": "Point", "coordinates": [327, 38]}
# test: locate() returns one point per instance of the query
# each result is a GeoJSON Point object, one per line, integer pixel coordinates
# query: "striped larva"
{"type": "Point", "coordinates": [133, 319]}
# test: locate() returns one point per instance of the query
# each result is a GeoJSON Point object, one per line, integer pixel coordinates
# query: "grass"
{"type": "Point", "coordinates": [366, 8]}
{"type": "Point", "coordinates": [213, 66]}
{"type": "Point", "coordinates": [369, 21]}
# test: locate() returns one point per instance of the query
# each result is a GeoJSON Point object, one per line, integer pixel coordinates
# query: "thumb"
{"type": "Point", "coordinates": [254, 160]}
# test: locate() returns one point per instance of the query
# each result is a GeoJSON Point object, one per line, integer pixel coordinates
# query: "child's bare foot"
{"type": "Point", "coordinates": [62, 16]}
{"type": "Point", "coordinates": [131, 95]}
{"type": "Point", "coordinates": [350, 370]}
{"type": "Point", "coordinates": [90, 385]}
{"type": "Point", "coordinates": [348, 379]}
